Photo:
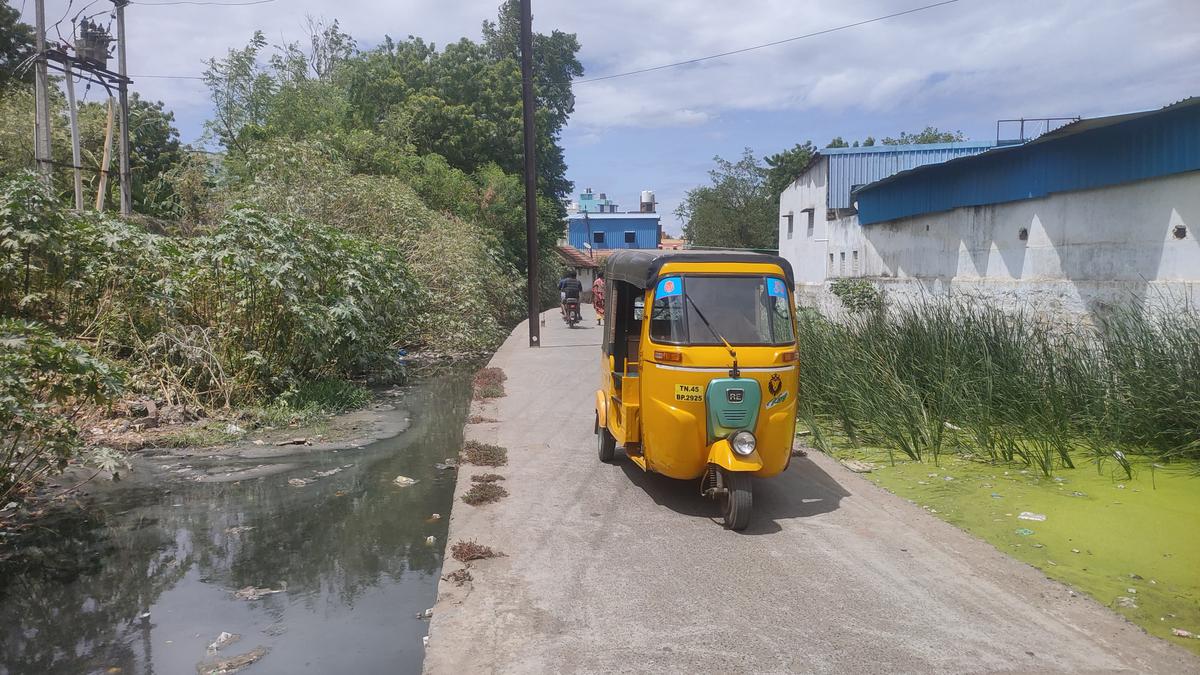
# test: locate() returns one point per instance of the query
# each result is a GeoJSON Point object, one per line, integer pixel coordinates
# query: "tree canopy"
{"type": "Point", "coordinates": [736, 210]}
{"type": "Point", "coordinates": [16, 45]}
{"type": "Point", "coordinates": [785, 167]}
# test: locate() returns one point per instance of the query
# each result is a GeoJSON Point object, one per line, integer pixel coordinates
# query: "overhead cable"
{"type": "Point", "coordinates": [764, 45]}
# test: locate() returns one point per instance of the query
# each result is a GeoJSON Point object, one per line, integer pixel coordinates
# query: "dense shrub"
{"type": "Point", "coordinates": [245, 311]}
{"type": "Point", "coordinates": [43, 383]}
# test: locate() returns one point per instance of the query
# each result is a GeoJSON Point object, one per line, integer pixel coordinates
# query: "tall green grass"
{"type": "Point", "coordinates": [963, 376]}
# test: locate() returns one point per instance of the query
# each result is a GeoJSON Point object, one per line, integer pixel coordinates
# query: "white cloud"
{"type": "Point", "coordinates": [984, 58]}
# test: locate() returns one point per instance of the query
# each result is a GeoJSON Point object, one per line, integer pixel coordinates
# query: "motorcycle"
{"type": "Point", "coordinates": [571, 312]}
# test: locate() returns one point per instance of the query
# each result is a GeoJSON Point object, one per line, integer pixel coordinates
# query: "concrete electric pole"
{"type": "Point", "coordinates": [126, 182]}
{"type": "Point", "coordinates": [527, 113]}
{"type": "Point", "coordinates": [41, 123]}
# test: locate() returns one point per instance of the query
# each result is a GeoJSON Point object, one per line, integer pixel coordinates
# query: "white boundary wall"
{"type": "Point", "coordinates": [1068, 254]}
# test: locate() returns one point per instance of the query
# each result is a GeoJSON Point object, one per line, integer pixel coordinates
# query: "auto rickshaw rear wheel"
{"type": "Point", "coordinates": [737, 499]}
{"type": "Point", "coordinates": [606, 445]}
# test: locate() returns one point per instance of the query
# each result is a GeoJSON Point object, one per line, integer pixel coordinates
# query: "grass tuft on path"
{"type": "Point", "coordinates": [466, 551]}
{"type": "Point", "coordinates": [484, 454]}
{"type": "Point", "coordinates": [489, 383]}
{"type": "Point", "coordinates": [484, 493]}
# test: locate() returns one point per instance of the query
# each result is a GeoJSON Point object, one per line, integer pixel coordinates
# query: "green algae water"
{"type": "Point", "coordinates": [1133, 544]}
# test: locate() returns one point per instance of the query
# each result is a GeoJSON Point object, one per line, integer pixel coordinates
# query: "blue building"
{"type": "Point", "coordinates": [851, 168]}
{"type": "Point", "coordinates": [590, 202]}
{"type": "Point", "coordinates": [1084, 155]}
{"type": "Point", "coordinates": [614, 230]}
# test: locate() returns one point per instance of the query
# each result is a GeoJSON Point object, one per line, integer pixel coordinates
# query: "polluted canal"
{"type": "Point", "coordinates": [325, 566]}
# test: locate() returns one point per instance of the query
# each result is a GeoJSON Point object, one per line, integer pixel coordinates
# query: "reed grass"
{"type": "Point", "coordinates": [964, 376]}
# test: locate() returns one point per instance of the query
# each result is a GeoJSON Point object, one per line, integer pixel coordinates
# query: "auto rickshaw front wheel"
{"type": "Point", "coordinates": [606, 445]}
{"type": "Point", "coordinates": [736, 500]}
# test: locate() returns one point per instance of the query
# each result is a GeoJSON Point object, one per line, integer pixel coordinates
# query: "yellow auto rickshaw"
{"type": "Point", "coordinates": [699, 369]}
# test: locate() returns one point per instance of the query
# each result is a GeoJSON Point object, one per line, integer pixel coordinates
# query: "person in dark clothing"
{"type": "Point", "coordinates": [568, 287]}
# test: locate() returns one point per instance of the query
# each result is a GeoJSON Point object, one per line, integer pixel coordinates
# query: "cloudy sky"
{"type": "Point", "coordinates": [960, 66]}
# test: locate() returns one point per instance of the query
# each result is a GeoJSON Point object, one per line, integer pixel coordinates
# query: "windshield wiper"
{"type": "Point", "coordinates": [733, 372]}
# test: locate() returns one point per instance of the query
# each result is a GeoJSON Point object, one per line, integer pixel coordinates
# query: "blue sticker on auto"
{"type": "Point", "coordinates": [776, 289]}
{"type": "Point", "coordinates": [668, 287]}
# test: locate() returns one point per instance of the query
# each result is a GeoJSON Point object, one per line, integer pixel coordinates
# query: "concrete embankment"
{"type": "Point", "coordinates": [609, 569]}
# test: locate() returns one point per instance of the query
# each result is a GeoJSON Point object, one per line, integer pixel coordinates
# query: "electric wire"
{"type": "Point", "coordinates": [202, 2]}
{"type": "Point", "coordinates": [765, 45]}
{"type": "Point", "coordinates": [604, 77]}
{"type": "Point", "coordinates": [169, 77]}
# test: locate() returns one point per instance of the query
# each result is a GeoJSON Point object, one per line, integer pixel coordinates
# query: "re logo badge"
{"type": "Point", "coordinates": [689, 392]}
{"type": "Point", "coordinates": [735, 395]}
{"type": "Point", "coordinates": [775, 384]}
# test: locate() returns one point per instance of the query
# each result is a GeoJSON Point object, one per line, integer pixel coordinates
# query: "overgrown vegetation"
{"type": "Point", "coordinates": [969, 378]}
{"type": "Point", "coordinates": [361, 202]}
{"type": "Point", "coordinates": [484, 454]}
{"type": "Point", "coordinates": [44, 381]}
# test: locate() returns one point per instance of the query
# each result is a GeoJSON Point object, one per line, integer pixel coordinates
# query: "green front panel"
{"type": "Point", "coordinates": [732, 405]}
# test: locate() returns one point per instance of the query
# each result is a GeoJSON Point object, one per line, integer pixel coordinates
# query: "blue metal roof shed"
{"type": "Point", "coordinates": [1087, 154]}
{"type": "Point", "coordinates": [614, 230]}
{"type": "Point", "coordinates": [852, 167]}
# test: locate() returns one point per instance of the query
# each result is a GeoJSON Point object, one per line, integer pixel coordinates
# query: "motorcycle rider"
{"type": "Point", "coordinates": [568, 287]}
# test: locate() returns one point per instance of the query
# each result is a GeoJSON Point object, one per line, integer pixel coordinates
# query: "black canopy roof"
{"type": "Point", "coordinates": [641, 268]}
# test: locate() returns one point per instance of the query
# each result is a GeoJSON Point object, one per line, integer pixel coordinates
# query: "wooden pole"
{"type": "Point", "coordinates": [527, 113]}
{"type": "Point", "coordinates": [74, 137]}
{"type": "Point", "coordinates": [108, 134]}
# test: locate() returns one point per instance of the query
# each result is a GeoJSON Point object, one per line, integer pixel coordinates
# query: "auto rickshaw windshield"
{"type": "Point", "coordinates": [701, 310]}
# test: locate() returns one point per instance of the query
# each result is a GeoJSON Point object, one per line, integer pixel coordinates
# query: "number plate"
{"type": "Point", "coordinates": [689, 392]}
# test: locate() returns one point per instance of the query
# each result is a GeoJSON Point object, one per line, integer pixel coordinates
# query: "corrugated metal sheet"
{"type": "Point", "coordinates": [1085, 155]}
{"type": "Point", "coordinates": [852, 167]}
{"type": "Point", "coordinates": [644, 227]}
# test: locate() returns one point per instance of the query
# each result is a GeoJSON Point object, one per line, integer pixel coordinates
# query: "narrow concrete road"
{"type": "Point", "coordinates": [611, 570]}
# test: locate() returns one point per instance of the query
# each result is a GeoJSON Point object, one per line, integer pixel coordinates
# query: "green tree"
{"type": "Point", "coordinates": [241, 93]}
{"type": "Point", "coordinates": [926, 135]}
{"type": "Point", "coordinates": [16, 45]}
{"type": "Point", "coordinates": [786, 166]}
{"type": "Point", "coordinates": [735, 211]}
{"type": "Point", "coordinates": [838, 142]}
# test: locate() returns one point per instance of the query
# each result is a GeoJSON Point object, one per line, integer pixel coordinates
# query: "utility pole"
{"type": "Point", "coordinates": [41, 123]}
{"type": "Point", "coordinates": [126, 187]}
{"type": "Point", "coordinates": [74, 113]}
{"type": "Point", "coordinates": [527, 111]}
{"type": "Point", "coordinates": [102, 190]}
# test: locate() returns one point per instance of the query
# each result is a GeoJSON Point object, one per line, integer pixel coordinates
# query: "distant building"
{"type": "Point", "coordinates": [1096, 213]}
{"type": "Point", "coordinates": [598, 225]}
{"type": "Point", "coordinates": [817, 209]}
{"type": "Point", "coordinates": [590, 202]}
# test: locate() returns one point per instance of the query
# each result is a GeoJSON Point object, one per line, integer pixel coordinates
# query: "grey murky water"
{"type": "Point", "coordinates": [351, 549]}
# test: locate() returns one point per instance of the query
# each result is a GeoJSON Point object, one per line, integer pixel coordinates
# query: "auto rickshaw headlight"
{"type": "Point", "coordinates": [743, 442]}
